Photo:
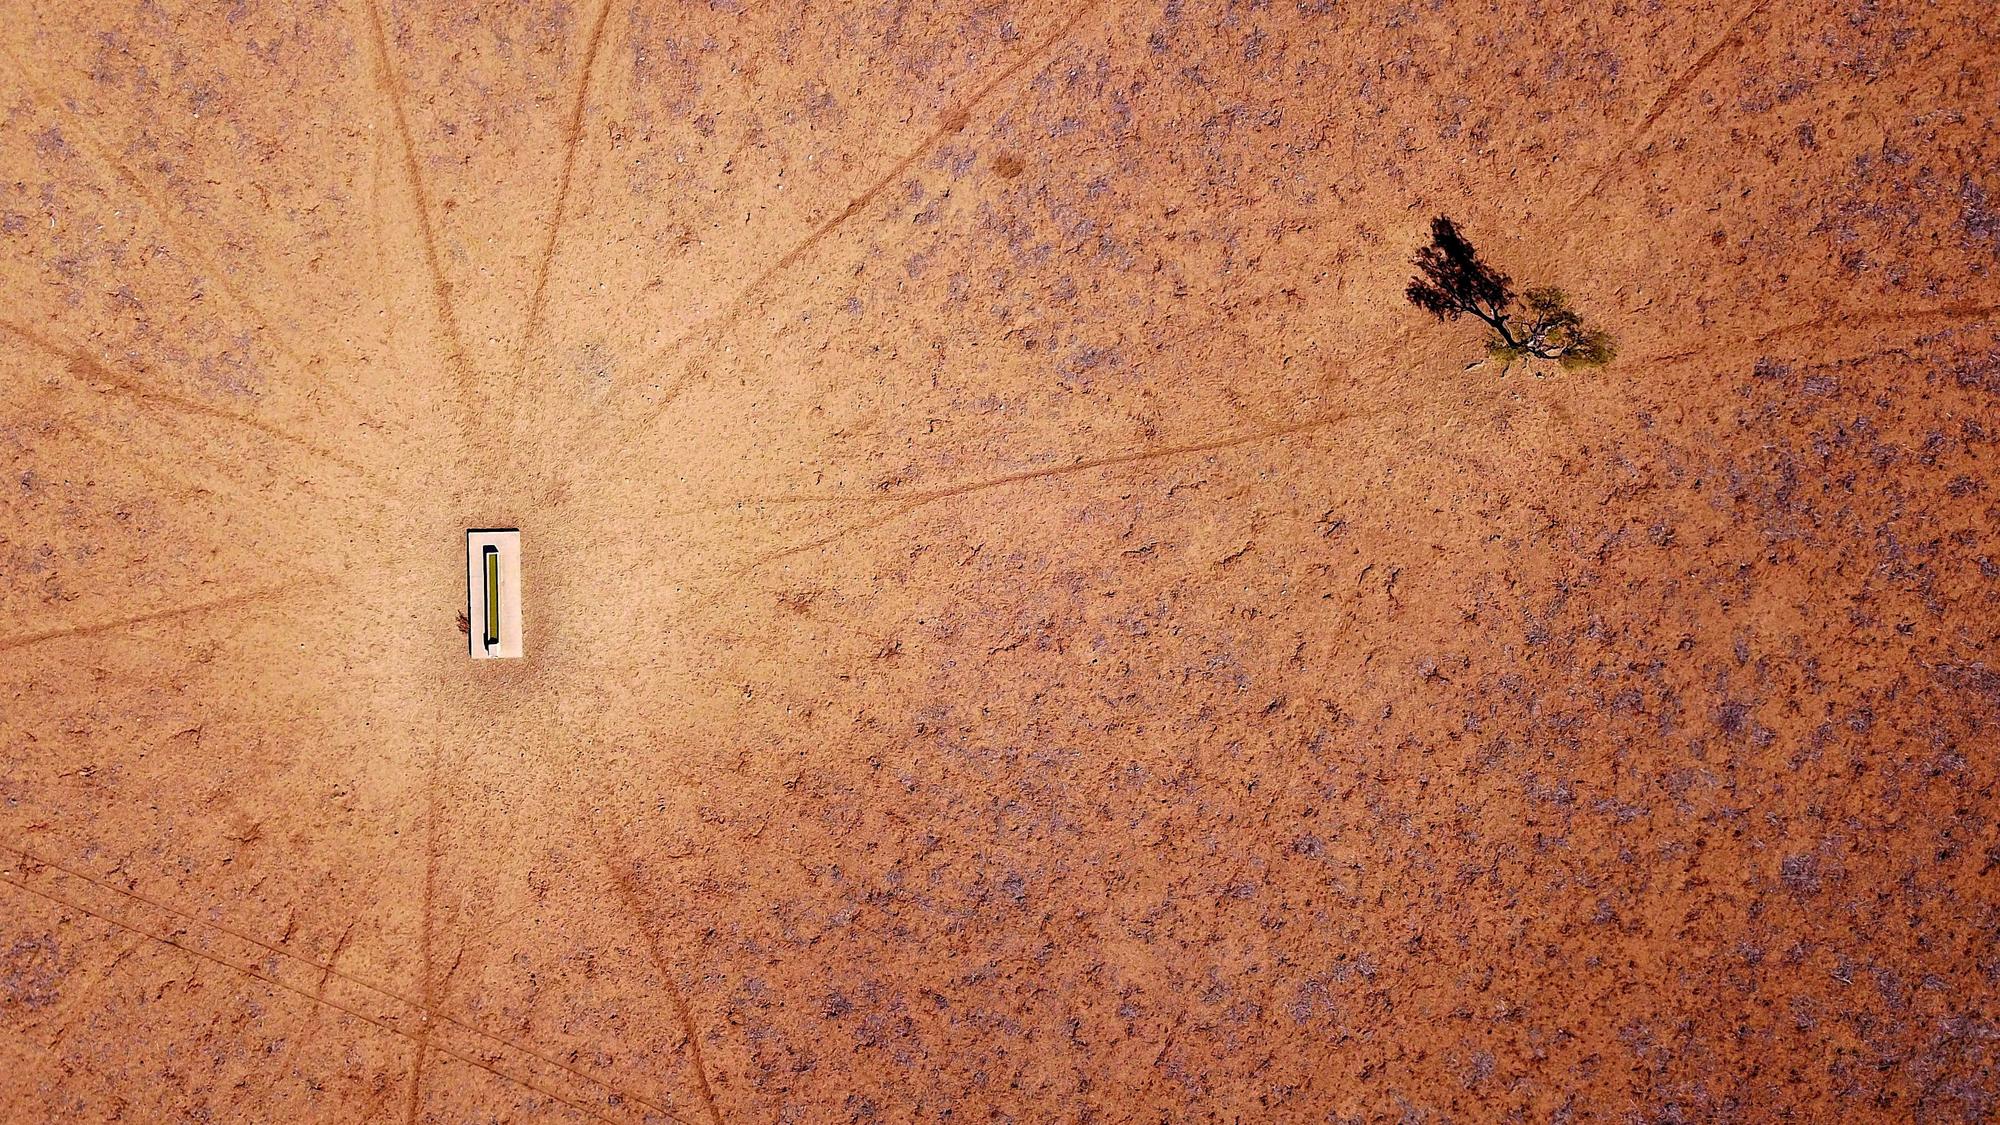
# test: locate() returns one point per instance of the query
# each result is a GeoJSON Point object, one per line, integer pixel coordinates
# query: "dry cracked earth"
{"type": "Point", "coordinates": [1024, 623]}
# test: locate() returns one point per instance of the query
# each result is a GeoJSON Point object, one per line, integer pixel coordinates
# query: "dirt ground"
{"type": "Point", "coordinates": [1023, 622]}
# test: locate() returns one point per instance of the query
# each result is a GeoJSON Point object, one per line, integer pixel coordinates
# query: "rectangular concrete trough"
{"type": "Point", "coordinates": [493, 592]}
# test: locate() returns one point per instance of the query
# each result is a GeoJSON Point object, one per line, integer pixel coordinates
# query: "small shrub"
{"type": "Point", "coordinates": [1456, 281]}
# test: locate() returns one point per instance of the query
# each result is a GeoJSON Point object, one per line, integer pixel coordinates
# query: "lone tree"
{"type": "Point", "coordinates": [1456, 282]}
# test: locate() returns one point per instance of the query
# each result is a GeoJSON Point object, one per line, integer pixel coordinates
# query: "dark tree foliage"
{"type": "Point", "coordinates": [1456, 282]}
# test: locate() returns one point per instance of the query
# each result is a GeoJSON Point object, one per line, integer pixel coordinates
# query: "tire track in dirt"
{"type": "Point", "coordinates": [572, 144]}
{"type": "Point", "coordinates": [246, 597]}
{"type": "Point", "coordinates": [244, 495]}
{"type": "Point", "coordinates": [1229, 441]}
{"type": "Point", "coordinates": [311, 1033]}
{"type": "Point", "coordinates": [250, 971]}
{"type": "Point", "coordinates": [480, 1042]}
{"type": "Point", "coordinates": [188, 247]}
{"type": "Point", "coordinates": [1179, 338]}
{"type": "Point", "coordinates": [1676, 88]}
{"type": "Point", "coordinates": [731, 577]}
{"type": "Point", "coordinates": [427, 981]}
{"type": "Point", "coordinates": [954, 121]}
{"type": "Point", "coordinates": [421, 1051]}
{"type": "Point", "coordinates": [89, 370]}
{"type": "Point", "coordinates": [628, 898]}
{"type": "Point", "coordinates": [1963, 310]}
{"type": "Point", "coordinates": [452, 340]}
{"type": "Point", "coordinates": [572, 785]}
{"type": "Point", "coordinates": [1944, 316]}
{"type": "Point", "coordinates": [907, 502]}
{"type": "Point", "coordinates": [186, 484]}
